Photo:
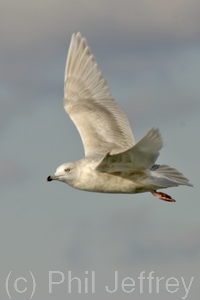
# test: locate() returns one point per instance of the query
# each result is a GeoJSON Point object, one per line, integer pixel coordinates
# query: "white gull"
{"type": "Point", "coordinates": [113, 162]}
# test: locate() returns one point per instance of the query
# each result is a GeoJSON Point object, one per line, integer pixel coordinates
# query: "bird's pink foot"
{"type": "Point", "coordinates": [162, 196]}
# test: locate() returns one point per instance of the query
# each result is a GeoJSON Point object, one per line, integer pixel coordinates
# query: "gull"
{"type": "Point", "coordinates": [113, 162]}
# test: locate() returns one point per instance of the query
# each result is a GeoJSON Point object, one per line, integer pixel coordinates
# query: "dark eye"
{"type": "Point", "coordinates": [67, 170]}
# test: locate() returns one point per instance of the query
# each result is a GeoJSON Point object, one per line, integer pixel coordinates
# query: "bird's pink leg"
{"type": "Point", "coordinates": [162, 196]}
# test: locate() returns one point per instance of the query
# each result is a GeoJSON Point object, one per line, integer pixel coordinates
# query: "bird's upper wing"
{"type": "Point", "coordinates": [101, 123]}
{"type": "Point", "coordinates": [140, 157]}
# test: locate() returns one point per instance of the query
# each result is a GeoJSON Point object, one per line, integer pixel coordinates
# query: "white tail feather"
{"type": "Point", "coordinates": [166, 176]}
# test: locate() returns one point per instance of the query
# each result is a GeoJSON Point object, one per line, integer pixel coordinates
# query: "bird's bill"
{"type": "Point", "coordinates": [52, 177]}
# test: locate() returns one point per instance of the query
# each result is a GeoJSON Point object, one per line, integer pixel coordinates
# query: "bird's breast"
{"type": "Point", "coordinates": [95, 181]}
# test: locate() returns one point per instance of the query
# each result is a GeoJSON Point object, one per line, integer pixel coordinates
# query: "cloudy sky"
{"type": "Point", "coordinates": [149, 53]}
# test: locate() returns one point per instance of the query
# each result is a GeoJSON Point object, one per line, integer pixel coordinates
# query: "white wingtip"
{"type": "Point", "coordinates": [82, 74]}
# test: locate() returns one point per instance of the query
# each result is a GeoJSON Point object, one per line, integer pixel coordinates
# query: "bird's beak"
{"type": "Point", "coordinates": [52, 177]}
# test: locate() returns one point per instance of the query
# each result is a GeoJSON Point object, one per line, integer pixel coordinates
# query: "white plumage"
{"type": "Point", "coordinates": [113, 162]}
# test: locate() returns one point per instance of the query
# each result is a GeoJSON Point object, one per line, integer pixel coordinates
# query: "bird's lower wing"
{"type": "Point", "coordinates": [140, 157]}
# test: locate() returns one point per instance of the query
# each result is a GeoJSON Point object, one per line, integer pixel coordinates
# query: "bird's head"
{"type": "Point", "coordinates": [67, 173]}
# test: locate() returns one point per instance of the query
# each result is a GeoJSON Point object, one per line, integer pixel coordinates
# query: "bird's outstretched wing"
{"type": "Point", "coordinates": [140, 157]}
{"type": "Point", "coordinates": [101, 123]}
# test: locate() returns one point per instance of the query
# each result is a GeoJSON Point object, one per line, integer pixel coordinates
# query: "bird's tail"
{"type": "Point", "coordinates": [165, 176]}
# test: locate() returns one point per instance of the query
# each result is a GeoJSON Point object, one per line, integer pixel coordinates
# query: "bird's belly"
{"type": "Point", "coordinates": [109, 183]}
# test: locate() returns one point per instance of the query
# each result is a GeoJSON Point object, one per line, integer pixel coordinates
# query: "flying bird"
{"type": "Point", "coordinates": [113, 162]}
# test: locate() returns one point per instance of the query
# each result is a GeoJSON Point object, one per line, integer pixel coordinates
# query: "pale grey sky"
{"type": "Point", "coordinates": [149, 53]}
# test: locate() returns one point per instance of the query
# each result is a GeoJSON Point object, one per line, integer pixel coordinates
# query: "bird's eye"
{"type": "Point", "coordinates": [67, 170]}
